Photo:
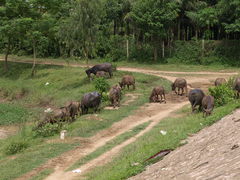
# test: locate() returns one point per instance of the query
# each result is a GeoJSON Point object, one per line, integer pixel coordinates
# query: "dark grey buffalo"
{"type": "Point", "coordinates": [195, 97]}
{"type": "Point", "coordinates": [207, 105]}
{"type": "Point", "coordinates": [219, 81]}
{"type": "Point", "coordinates": [90, 100]}
{"type": "Point", "coordinates": [180, 84]}
{"type": "Point", "coordinates": [236, 86]}
{"type": "Point", "coordinates": [106, 67]}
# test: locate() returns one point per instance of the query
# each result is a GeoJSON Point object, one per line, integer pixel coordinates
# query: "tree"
{"type": "Point", "coordinates": [155, 18]}
{"type": "Point", "coordinates": [79, 30]}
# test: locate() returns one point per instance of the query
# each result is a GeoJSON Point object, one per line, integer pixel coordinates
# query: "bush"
{"type": "Point", "coordinates": [101, 84]}
{"type": "Point", "coordinates": [223, 94]}
{"type": "Point", "coordinates": [15, 146]}
{"type": "Point", "coordinates": [48, 130]}
{"type": "Point", "coordinates": [105, 97]}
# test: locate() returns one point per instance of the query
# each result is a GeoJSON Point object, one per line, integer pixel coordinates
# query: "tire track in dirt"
{"type": "Point", "coordinates": [151, 112]}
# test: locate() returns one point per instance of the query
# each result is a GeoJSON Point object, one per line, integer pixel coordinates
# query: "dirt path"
{"type": "Point", "coordinates": [213, 153]}
{"type": "Point", "coordinates": [148, 112]}
{"type": "Point", "coordinates": [6, 131]}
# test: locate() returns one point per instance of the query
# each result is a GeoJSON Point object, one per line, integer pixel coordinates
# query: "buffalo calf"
{"type": "Point", "coordinates": [207, 105]}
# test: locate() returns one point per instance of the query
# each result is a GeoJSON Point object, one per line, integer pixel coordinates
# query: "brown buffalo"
{"type": "Point", "coordinates": [115, 95]}
{"type": "Point", "coordinates": [207, 105]}
{"type": "Point", "coordinates": [156, 92]}
{"type": "Point", "coordinates": [57, 115]}
{"type": "Point", "coordinates": [219, 81]}
{"type": "Point", "coordinates": [101, 74]}
{"type": "Point", "coordinates": [236, 87]}
{"type": "Point", "coordinates": [181, 84]}
{"type": "Point", "coordinates": [74, 109]}
{"type": "Point", "coordinates": [127, 80]}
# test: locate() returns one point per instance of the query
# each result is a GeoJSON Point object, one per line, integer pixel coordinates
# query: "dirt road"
{"type": "Point", "coordinates": [148, 112]}
{"type": "Point", "coordinates": [213, 153]}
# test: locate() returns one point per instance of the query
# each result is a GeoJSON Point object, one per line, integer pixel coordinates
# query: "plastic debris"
{"type": "Point", "coordinates": [77, 171]}
{"type": "Point", "coordinates": [163, 132]}
{"type": "Point", "coordinates": [135, 164]}
{"type": "Point", "coordinates": [160, 154]}
{"type": "Point", "coordinates": [47, 83]}
{"type": "Point", "coordinates": [48, 110]}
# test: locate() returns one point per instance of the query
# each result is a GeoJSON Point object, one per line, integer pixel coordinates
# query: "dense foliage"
{"type": "Point", "coordinates": [222, 94]}
{"type": "Point", "coordinates": [116, 29]}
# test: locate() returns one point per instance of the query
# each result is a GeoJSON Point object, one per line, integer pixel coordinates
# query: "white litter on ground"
{"type": "Point", "coordinates": [77, 171]}
{"type": "Point", "coordinates": [163, 132]}
{"type": "Point", "coordinates": [47, 83]}
{"type": "Point", "coordinates": [48, 110]}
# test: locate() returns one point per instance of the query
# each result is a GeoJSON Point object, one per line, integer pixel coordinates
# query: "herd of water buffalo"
{"type": "Point", "coordinates": [93, 99]}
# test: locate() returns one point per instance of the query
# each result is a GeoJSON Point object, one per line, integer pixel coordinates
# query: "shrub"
{"type": "Point", "coordinates": [15, 146]}
{"type": "Point", "coordinates": [222, 94]}
{"type": "Point", "coordinates": [48, 130]}
{"type": "Point", "coordinates": [101, 84]}
{"type": "Point", "coordinates": [105, 97]}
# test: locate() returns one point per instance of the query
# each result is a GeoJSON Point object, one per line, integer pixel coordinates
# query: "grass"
{"type": "Point", "coordinates": [11, 114]}
{"type": "Point", "coordinates": [65, 84]}
{"type": "Point", "coordinates": [146, 64]}
{"type": "Point", "coordinates": [15, 166]}
{"type": "Point", "coordinates": [153, 142]}
{"type": "Point", "coordinates": [28, 97]}
{"type": "Point", "coordinates": [109, 145]}
{"type": "Point", "coordinates": [42, 175]}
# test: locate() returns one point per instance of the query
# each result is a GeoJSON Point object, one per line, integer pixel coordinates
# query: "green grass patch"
{"type": "Point", "coordinates": [42, 175]}
{"type": "Point", "coordinates": [11, 168]}
{"type": "Point", "coordinates": [153, 141]}
{"type": "Point", "coordinates": [109, 145]}
{"type": "Point", "coordinates": [146, 64]}
{"type": "Point", "coordinates": [11, 114]}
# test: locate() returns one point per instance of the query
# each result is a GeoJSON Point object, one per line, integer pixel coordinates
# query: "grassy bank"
{"type": "Point", "coordinates": [152, 142]}
{"type": "Point", "coordinates": [26, 98]}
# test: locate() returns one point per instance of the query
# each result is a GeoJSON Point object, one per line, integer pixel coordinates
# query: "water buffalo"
{"type": "Point", "coordinates": [236, 86]}
{"type": "Point", "coordinates": [73, 108]}
{"type": "Point", "coordinates": [207, 105]}
{"type": "Point", "coordinates": [115, 95]}
{"type": "Point", "coordinates": [90, 100]}
{"type": "Point", "coordinates": [57, 115]}
{"type": "Point", "coordinates": [127, 80]}
{"type": "Point", "coordinates": [101, 74]}
{"type": "Point", "coordinates": [195, 97]}
{"type": "Point", "coordinates": [181, 84]}
{"type": "Point", "coordinates": [219, 81]}
{"type": "Point", "coordinates": [156, 92]}
{"type": "Point", "coordinates": [106, 67]}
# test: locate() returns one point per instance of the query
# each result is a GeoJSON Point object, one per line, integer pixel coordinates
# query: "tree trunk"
{"type": "Point", "coordinates": [115, 27]}
{"type": "Point", "coordinates": [179, 30]}
{"type": "Point", "coordinates": [127, 49]}
{"type": "Point", "coordinates": [34, 59]}
{"type": "Point", "coordinates": [203, 47]}
{"type": "Point", "coordinates": [196, 31]}
{"type": "Point", "coordinates": [155, 53]}
{"type": "Point", "coordinates": [6, 57]}
{"type": "Point", "coordinates": [163, 49]}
